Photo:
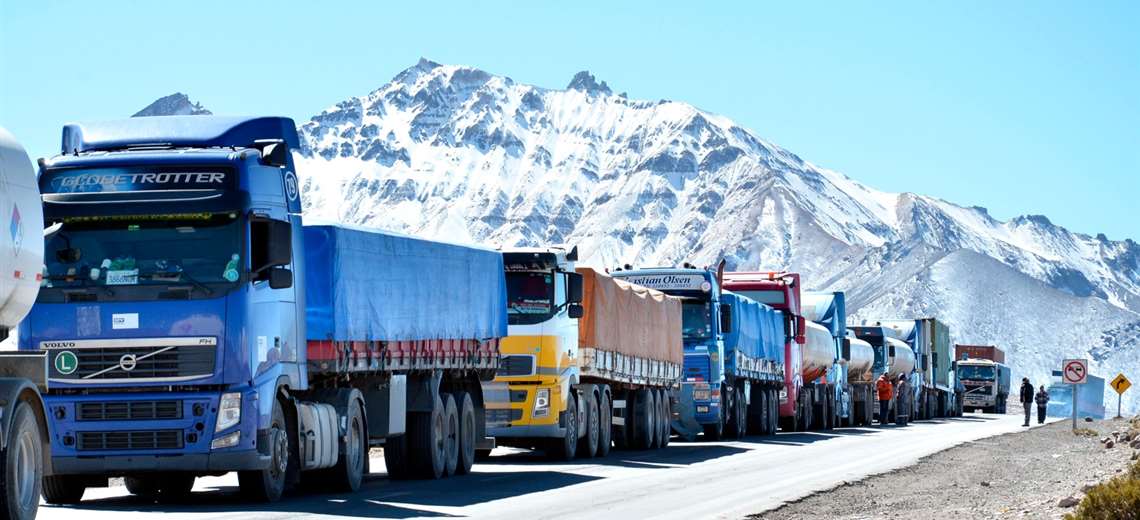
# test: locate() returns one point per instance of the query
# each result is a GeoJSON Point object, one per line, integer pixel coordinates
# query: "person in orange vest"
{"type": "Point", "coordinates": [886, 391]}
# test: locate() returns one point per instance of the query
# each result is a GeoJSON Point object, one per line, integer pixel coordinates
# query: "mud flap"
{"type": "Point", "coordinates": [685, 423]}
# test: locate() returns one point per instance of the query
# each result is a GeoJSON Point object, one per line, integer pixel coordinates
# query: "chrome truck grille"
{"type": "Point", "coordinates": [131, 360]}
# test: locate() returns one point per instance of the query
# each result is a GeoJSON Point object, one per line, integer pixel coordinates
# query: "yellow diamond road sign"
{"type": "Point", "coordinates": [1121, 384]}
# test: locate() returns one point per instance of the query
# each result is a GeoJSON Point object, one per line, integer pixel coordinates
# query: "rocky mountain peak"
{"type": "Point", "coordinates": [176, 104]}
{"type": "Point", "coordinates": [586, 82]}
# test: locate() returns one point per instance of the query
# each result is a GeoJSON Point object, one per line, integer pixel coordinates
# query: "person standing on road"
{"type": "Point", "coordinates": [902, 401]}
{"type": "Point", "coordinates": [1042, 400]}
{"type": "Point", "coordinates": [886, 391]}
{"type": "Point", "coordinates": [1026, 398]}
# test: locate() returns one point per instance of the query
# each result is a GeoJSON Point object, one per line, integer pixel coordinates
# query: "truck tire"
{"type": "Point", "coordinates": [63, 489]}
{"type": "Point", "coordinates": [642, 423]}
{"type": "Point", "coordinates": [396, 457]}
{"type": "Point", "coordinates": [467, 433]}
{"type": "Point", "coordinates": [349, 470]}
{"type": "Point", "coordinates": [773, 411]}
{"type": "Point", "coordinates": [566, 447]}
{"type": "Point", "coordinates": [604, 424]}
{"type": "Point", "coordinates": [741, 413]}
{"type": "Point", "coordinates": [268, 485]}
{"type": "Point", "coordinates": [588, 443]}
{"type": "Point", "coordinates": [666, 417]}
{"type": "Point", "coordinates": [653, 407]}
{"type": "Point", "coordinates": [426, 442]}
{"type": "Point", "coordinates": [450, 435]}
{"type": "Point", "coordinates": [20, 477]}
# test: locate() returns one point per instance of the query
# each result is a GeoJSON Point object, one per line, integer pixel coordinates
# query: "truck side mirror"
{"type": "Point", "coordinates": [274, 153]}
{"type": "Point", "coordinates": [575, 311]}
{"type": "Point", "coordinates": [573, 288]}
{"type": "Point", "coordinates": [725, 318]}
{"type": "Point", "coordinates": [280, 278]}
{"type": "Point", "coordinates": [271, 245]}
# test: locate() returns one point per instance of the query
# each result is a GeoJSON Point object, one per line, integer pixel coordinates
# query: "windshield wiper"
{"type": "Point", "coordinates": [182, 275]}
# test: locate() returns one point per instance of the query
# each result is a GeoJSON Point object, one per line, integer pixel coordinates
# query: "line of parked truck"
{"type": "Point", "coordinates": [187, 323]}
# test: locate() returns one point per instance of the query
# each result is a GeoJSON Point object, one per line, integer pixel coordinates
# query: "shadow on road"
{"type": "Point", "coordinates": [676, 454]}
{"type": "Point", "coordinates": [377, 498]}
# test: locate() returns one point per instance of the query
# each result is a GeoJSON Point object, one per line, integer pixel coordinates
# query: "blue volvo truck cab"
{"type": "Point", "coordinates": [173, 314]}
{"type": "Point", "coordinates": [705, 400]}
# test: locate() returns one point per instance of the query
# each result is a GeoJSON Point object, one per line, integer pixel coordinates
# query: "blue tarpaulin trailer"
{"type": "Point", "coordinates": [754, 347]}
{"type": "Point", "coordinates": [370, 285]}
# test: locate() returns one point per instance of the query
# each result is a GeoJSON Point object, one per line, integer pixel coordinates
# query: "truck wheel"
{"type": "Point", "coordinates": [467, 432]}
{"type": "Point", "coordinates": [665, 417]}
{"type": "Point", "coordinates": [565, 448]}
{"type": "Point", "coordinates": [426, 443]}
{"type": "Point", "coordinates": [830, 415]}
{"type": "Point", "coordinates": [268, 485]}
{"type": "Point", "coordinates": [651, 433]}
{"type": "Point", "coordinates": [63, 489]}
{"type": "Point", "coordinates": [605, 425]}
{"type": "Point", "coordinates": [642, 419]}
{"type": "Point", "coordinates": [763, 414]}
{"type": "Point", "coordinates": [450, 435]}
{"type": "Point", "coordinates": [348, 472]}
{"type": "Point", "coordinates": [741, 414]}
{"type": "Point", "coordinates": [588, 443]}
{"type": "Point", "coordinates": [23, 467]}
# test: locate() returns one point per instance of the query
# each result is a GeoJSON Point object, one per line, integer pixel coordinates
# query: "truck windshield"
{"type": "Point", "coordinates": [139, 250]}
{"type": "Point", "coordinates": [696, 322]}
{"type": "Point", "coordinates": [530, 297]}
{"type": "Point", "coordinates": [975, 372]}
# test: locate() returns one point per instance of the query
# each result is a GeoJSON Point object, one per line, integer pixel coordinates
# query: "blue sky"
{"type": "Point", "coordinates": [1020, 107]}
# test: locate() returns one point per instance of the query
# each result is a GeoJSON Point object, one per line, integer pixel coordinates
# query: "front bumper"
{"type": "Point", "coordinates": [221, 462]}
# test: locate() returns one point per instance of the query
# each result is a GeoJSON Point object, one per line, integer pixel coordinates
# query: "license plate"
{"type": "Point", "coordinates": [701, 395]}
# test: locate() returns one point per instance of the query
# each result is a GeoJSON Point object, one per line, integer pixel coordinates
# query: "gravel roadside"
{"type": "Point", "coordinates": [1018, 475]}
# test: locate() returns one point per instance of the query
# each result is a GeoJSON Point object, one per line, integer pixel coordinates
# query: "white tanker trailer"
{"type": "Point", "coordinates": [24, 446]}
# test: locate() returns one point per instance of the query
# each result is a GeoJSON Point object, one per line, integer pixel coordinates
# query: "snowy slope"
{"type": "Point", "coordinates": [458, 153]}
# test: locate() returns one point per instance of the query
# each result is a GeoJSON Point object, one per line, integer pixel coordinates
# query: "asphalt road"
{"type": "Point", "coordinates": [685, 480]}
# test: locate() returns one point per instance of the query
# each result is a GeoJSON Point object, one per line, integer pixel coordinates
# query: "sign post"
{"type": "Point", "coordinates": [1121, 384]}
{"type": "Point", "coordinates": [1075, 372]}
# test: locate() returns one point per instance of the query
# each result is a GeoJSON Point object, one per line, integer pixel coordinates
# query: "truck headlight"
{"type": "Point", "coordinates": [541, 402]}
{"type": "Point", "coordinates": [226, 441]}
{"type": "Point", "coordinates": [229, 411]}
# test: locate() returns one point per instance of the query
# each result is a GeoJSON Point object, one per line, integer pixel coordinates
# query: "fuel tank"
{"type": "Point", "coordinates": [862, 359]}
{"type": "Point", "coordinates": [22, 246]}
{"type": "Point", "coordinates": [818, 352]}
{"type": "Point", "coordinates": [900, 358]}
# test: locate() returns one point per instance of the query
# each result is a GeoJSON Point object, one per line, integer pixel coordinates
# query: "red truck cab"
{"type": "Point", "coordinates": [781, 291]}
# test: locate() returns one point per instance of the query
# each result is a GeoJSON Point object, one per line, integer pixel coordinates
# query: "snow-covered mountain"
{"type": "Point", "coordinates": [176, 104]}
{"type": "Point", "coordinates": [457, 153]}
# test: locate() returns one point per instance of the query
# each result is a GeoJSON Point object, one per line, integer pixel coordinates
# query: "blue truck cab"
{"type": "Point", "coordinates": [193, 326]}
{"type": "Point", "coordinates": [702, 403]}
{"type": "Point", "coordinates": [158, 258]}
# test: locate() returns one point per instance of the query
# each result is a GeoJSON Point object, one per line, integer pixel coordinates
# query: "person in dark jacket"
{"type": "Point", "coordinates": [1026, 398]}
{"type": "Point", "coordinates": [1042, 400]}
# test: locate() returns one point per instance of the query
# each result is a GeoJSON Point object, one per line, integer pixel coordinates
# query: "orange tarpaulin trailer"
{"type": "Point", "coordinates": [629, 319]}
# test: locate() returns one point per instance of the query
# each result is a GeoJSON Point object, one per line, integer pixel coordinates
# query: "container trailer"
{"type": "Point", "coordinates": [754, 362]}
{"type": "Point", "coordinates": [808, 351]}
{"type": "Point", "coordinates": [590, 361]}
{"type": "Point", "coordinates": [985, 376]}
{"type": "Point", "coordinates": [25, 452]}
{"type": "Point", "coordinates": [718, 395]}
{"type": "Point", "coordinates": [193, 326]}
